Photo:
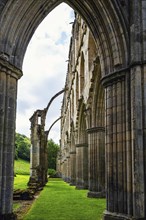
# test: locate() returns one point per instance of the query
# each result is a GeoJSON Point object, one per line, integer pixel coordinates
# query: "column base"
{"type": "Point", "coordinates": [68, 179]}
{"type": "Point", "coordinates": [35, 184]}
{"type": "Point", "coordinates": [92, 194]}
{"type": "Point", "coordinates": [72, 183]}
{"type": "Point", "coordinates": [81, 187]}
{"type": "Point", "coordinates": [117, 216]}
{"type": "Point", "coordinates": [11, 216]}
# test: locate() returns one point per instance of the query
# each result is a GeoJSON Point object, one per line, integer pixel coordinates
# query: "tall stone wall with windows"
{"type": "Point", "coordinates": [82, 157]}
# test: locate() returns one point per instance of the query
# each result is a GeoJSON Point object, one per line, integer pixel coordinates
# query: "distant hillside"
{"type": "Point", "coordinates": [21, 167]}
{"type": "Point", "coordinates": [22, 147]}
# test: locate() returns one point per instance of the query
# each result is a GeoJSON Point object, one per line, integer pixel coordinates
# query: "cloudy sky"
{"type": "Point", "coordinates": [45, 69]}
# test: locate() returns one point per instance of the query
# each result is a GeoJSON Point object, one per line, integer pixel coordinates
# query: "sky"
{"type": "Point", "coordinates": [44, 70]}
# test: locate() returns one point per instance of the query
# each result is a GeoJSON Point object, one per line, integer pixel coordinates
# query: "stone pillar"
{"type": "Point", "coordinates": [68, 169]}
{"type": "Point", "coordinates": [62, 171]}
{"type": "Point", "coordinates": [82, 166]}
{"type": "Point", "coordinates": [9, 76]}
{"type": "Point", "coordinates": [136, 169]}
{"type": "Point", "coordinates": [73, 158]}
{"type": "Point", "coordinates": [38, 159]}
{"type": "Point", "coordinates": [126, 125]}
{"type": "Point", "coordinates": [44, 157]}
{"type": "Point", "coordinates": [125, 180]}
{"type": "Point", "coordinates": [58, 167]}
{"type": "Point", "coordinates": [116, 155]}
{"type": "Point", "coordinates": [96, 155]}
{"type": "Point", "coordinates": [73, 168]}
{"type": "Point", "coordinates": [65, 169]}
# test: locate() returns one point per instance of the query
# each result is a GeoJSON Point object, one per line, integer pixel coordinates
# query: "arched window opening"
{"type": "Point", "coordinates": [82, 74]}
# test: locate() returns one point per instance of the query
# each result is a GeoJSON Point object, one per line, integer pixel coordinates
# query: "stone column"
{"type": "Point", "coordinates": [38, 160]}
{"type": "Point", "coordinates": [34, 151]}
{"type": "Point", "coordinates": [58, 167]}
{"type": "Point", "coordinates": [96, 155]}
{"type": "Point", "coordinates": [136, 169]}
{"type": "Point", "coordinates": [44, 157]}
{"type": "Point", "coordinates": [9, 76]}
{"type": "Point", "coordinates": [82, 166]}
{"type": "Point", "coordinates": [126, 125]}
{"type": "Point", "coordinates": [116, 155]}
{"type": "Point", "coordinates": [68, 168]}
{"type": "Point", "coordinates": [73, 168]}
{"type": "Point", "coordinates": [65, 169]}
{"type": "Point", "coordinates": [73, 158]}
{"type": "Point", "coordinates": [125, 180]}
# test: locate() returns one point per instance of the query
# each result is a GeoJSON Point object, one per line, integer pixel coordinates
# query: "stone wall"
{"type": "Point", "coordinates": [83, 112]}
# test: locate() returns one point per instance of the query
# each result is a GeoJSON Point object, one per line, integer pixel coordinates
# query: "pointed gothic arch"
{"type": "Point", "coordinates": [82, 74]}
{"type": "Point", "coordinates": [24, 17]}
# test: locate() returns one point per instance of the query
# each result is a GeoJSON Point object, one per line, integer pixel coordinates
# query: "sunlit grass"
{"type": "Point", "coordinates": [16, 205]}
{"type": "Point", "coordinates": [60, 201]}
{"type": "Point", "coordinates": [20, 181]}
{"type": "Point", "coordinates": [22, 167]}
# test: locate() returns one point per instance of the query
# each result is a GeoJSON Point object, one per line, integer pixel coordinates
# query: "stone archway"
{"type": "Point", "coordinates": [118, 28]}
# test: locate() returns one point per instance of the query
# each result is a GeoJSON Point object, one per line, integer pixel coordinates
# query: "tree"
{"type": "Point", "coordinates": [22, 147]}
{"type": "Point", "coordinates": [53, 150]}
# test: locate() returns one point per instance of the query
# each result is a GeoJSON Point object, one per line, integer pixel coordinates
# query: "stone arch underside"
{"type": "Point", "coordinates": [19, 20]}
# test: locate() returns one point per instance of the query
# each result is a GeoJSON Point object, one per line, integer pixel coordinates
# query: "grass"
{"type": "Point", "coordinates": [20, 181]}
{"type": "Point", "coordinates": [22, 170]}
{"type": "Point", "coordinates": [16, 205]}
{"type": "Point", "coordinates": [22, 167]}
{"type": "Point", "coordinates": [59, 201]}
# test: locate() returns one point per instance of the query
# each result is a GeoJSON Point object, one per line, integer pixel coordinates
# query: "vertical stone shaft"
{"type": "Point", "coordinates": [68, 169]}
{"type": "Point", "coordinates": [8, 95]}
{"type": "Point", "coordinates": [125, 180]}
{"type": "Point", "coordinates": [81, 166]}
{"type": "Point", "coordinates": [137, 141]}
{"type": "Point", "coordinates": [39, 164]}
{"type": "Point", "coordinates": [116, 157]}
{"type": "Point", "coordinates": [73, 159]}
{"type": "Point", "coordinates": [73, 167]}
{"type": "Point", "coordinates": [96, 152]}
{"type": "Point", "coordinates": [65, 169]}
{"type": "Point", "coordinates": [44, 157]}
{"type": "Point", "coordinates": [35, 150]}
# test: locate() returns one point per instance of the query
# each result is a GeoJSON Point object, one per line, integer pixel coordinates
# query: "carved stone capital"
{"type": "Point", "coordinates": [111, 78]}
{"type": "Point", "coordinates": [9, 69]}
{"type": "Point", "coordinates": [82, 145]}
{"type": "Point", "coordinates": [95, 129]}
{"type": "Point", "coordinates": [72, 152]}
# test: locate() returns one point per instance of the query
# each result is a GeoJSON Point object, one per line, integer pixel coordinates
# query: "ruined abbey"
{"type": "Point", "coordinates": [103, 123]}
{"type": "Point", "coordinates": [81, 160]}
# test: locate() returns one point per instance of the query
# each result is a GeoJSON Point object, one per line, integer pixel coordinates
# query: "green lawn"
{"type": "Point", "coordinates": [22, 167]}
{"type": "Point", "coordinates": [59, 201]}
{"type": "Point", "coordinates": [20, 181]}
{"type": "Point", "coordinates": [22, 170]}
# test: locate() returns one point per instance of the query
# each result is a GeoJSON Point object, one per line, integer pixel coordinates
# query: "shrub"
{"type": "Point", "coordinates": [52, 173]}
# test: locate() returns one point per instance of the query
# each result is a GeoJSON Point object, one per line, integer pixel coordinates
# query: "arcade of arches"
{"type": "Point", "coordinates": [103, 129]}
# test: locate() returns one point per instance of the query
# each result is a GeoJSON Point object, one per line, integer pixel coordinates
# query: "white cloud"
{"type": "Point", "coordinates": [45, 69]}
